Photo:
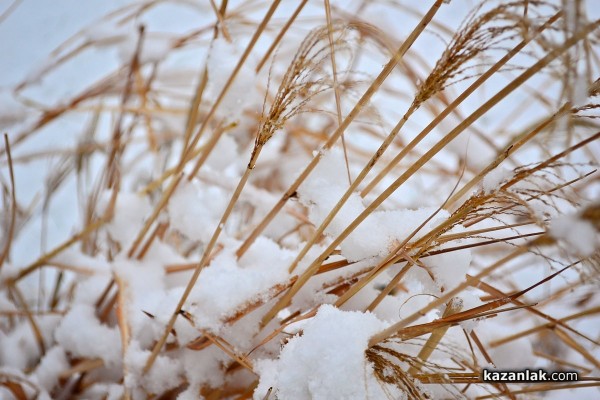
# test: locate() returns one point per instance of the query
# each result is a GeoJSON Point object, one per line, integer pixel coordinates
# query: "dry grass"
{"type": "Point", "coordinates": [318, 95]}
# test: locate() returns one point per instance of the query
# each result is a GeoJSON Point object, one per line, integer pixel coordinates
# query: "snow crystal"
{"type": "Point", "coordinates": [493, 180]}
{"type": "Point", "coordinates": [89, 290]}
{"type": "Point", "coordinates": [263, 266]}
{"type": "Point", "coordinates": [195, 211]}
{"type": "Point", "coordinates": [142, 295]}
{"type": "Point", "coordinates": [50, 367]}
{"type": "Point", "coordinates": [222, 59]}
{"type": "Point", "coordinates": [16, 375]}
{"type": "Point", "coordinates": [469, 325]}
{"type": "Point", "coordinates": [204, 367]}
{"type": "Point", "coordinates": [326, 362]}
{"type": "Point", "coordinates": [165, 373]}
{"type": "Point", "coordinates": [129, 214]}
{"type": "Point", "coordinates": [191, 393]}
{"type": "Point", "coordinates": [19, 347]}
{"type": "Point", "coordinates": [84, 336]}
{"type": "Point", "coordinates": [449, 269]}
{"type": "Point", "coordinates": [74, 257]}
{"type": "Point", "coordinates": [469, 300]}
{"type": "Point", "coordinates": [102, 391]}
{"type": "Point", "coordinates": [186, 332]}
{"type": "Point", "coordinates": [378, 233]}
{"type": "Point", "coordinates": [383, 230]}
{"type": "Point", "coordinates": [224, 155]}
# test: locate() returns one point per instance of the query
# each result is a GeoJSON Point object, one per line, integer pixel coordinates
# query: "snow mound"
{"type": "Point", "coordinates": [326, 362]}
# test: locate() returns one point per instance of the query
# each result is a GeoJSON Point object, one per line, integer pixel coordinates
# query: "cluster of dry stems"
{"type": "Point", "coordinates": [488, 47]}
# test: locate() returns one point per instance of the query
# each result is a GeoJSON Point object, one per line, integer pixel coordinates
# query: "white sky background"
{"type": "Point", "coordinates": [36, 27]}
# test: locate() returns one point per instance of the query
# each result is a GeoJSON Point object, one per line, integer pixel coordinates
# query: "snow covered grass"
{"type": "Point", "coordinates": [304, 200]}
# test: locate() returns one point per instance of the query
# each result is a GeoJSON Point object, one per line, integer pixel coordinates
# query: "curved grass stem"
{"type": "Point", "coordinates": [418, 164]}
{"type": "Point", "coordinates": [366, 97]}
{"type": "Point", "coordinates": [205, 258]}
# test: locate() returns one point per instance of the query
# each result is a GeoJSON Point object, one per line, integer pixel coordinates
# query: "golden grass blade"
{"type": "Point", "coordinates": [283, 31]}
{"type": "Point", "coordinates": [375, 85]}
{"type": "Point", "coordinates": [196, 138]}
{"type": "Point", "coordinates": [13, 207]}
{"type": "Point", "coordinates": [453, 306]}
{"type": "Point", "coordinates": [336, 88]}
{"type": "Point", "coordinates": [451, 107]}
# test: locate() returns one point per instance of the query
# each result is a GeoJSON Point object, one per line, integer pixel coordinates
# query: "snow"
{"type": "Point", "coordinates": [379, 233]}
{"type": "Point", "coordinates": [204, 367]}
{"type": "Point", "coordinates": [52, 364]}
{"type": "Point", "coordinates": [143, 295]}
{"type": "Point", "coordinates": [195, 210]}
{"type": "Point", "coordinates": [164, 375]}
{"type": "Point", "coordinates": [222, 59]}
{"type": "Point", "coordinates": [264, 266]}
{"type": "Point", "coordinates": [495, 178]}
{"type": "Point", "coordinates": [469, 300]}
{"type": "Point", "coordinates": [15, 375]}
{"type": "Point", "coordinates": [449, 269]}
{"type": "Point", "coordinates": [129, 214]}
{"type": "Point", "coordinates": [19, 347]}
{"type": "Point", "coordinates": [225, 156]}
{"type": "Point", "coordinates": [382, 231]}
{"type": "Point", "coordinates": [322, 356]}
{"type": "Point", "coordinates": [75, 258]}
{"type": "Point", "coordinates": [578, 236]}
{"type": "Point", "coordinates": [191, 393]}
{"type": "Point", "coordinates": [327, 361]}
{"type": "Point", "coordinates": [111, 391]}
{"type": "Point", "coordinates": [473, 150]}
{"type": "Point", "coordinates": [90, 289]}
{"type": "Point", "coordinates": [84, 335]}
